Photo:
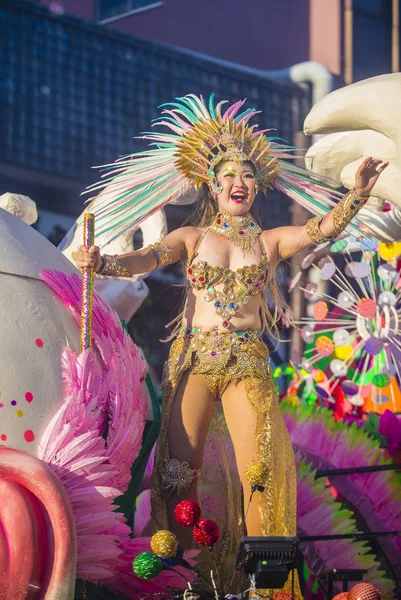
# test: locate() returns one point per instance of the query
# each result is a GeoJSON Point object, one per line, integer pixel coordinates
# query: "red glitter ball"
{"type": "Point", "coordinates": [29, 397]}
{"type": "Point", "coordinates": [3, 437]}
{"type": "Point", "coordinates": [206, 533]}
{"type": "Point", "coordinates": [341, 596]}
{"type": "Point", "coordinates": [187, 513]}
{"type": "Point", "coordinates": [39, 343]}
{"type": "Point", "coordinates": [29, 435]}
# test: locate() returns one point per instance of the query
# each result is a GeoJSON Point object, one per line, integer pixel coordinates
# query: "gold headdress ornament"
{"type": "Point", "coordinates": [198, 137]}
{"type": "Point", "coordinates": [212, 141]}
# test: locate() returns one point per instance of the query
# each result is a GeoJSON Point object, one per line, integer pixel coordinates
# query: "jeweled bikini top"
{"type": "Point", "coordinates": [252, 278]}
{"type": "Point", "coordinates": [238, 285]}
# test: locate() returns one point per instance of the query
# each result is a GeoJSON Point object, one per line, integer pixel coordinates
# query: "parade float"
{"type": "Point", "coordinates": [75, 505]}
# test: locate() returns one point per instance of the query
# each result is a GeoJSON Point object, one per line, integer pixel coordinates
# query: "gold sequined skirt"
{"type": "Point", "coordinates": [223, 358]}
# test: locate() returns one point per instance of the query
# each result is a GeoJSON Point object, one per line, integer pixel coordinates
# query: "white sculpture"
{"type": "Point", "coordinates": [360, 120]}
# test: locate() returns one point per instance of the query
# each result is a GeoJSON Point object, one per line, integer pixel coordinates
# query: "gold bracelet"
{"type": "Point", "coordinates": [346, 209]}
{"type": "Point", "coordinates": [113, 268]}
{"type": "Point", "coordinates": [163, 253]}
{"type": "Point", "coordinates": [313, 231]}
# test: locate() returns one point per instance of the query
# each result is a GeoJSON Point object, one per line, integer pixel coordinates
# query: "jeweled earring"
{"type": "Point", "coordinates": [216, 187]}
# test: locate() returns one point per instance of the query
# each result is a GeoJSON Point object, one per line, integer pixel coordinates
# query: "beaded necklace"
{"type": "Point", "coordinates": [241, 230]}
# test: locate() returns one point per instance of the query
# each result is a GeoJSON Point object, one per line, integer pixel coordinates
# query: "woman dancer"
{"type": "Point", "coordinates": [218, 353]}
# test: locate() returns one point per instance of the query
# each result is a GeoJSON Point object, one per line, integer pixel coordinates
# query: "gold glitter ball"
{"type": "Point", "coordinates": [256, 473]}
{"type": "Point", "coordinates": [164, 544]}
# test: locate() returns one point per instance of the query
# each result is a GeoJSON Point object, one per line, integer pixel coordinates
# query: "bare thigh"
{"type": "Point", "coordinates": [190, 417]}
{"type": "Point", "coordinates": [241, 422]}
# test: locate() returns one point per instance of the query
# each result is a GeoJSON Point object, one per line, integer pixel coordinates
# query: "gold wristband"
{"type": "Point", "coordinates": [313, 231]}
{"type": "Point", "coordinates": [346, 210]}
{"type": "Point", "coordinates": [163, 253]}
{"type": "Point", "coordinates": [113, 268]}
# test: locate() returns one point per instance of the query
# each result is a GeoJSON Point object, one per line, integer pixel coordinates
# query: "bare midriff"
{"type": "Point", "coordinates": [201, 314]}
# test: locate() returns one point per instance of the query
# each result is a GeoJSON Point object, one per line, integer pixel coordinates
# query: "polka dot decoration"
{"type": "Point", "coordinates": [368, 244]}
{"type": "Point", "coordinates": [3, 437]}
{"type": "Point", "coordinates": [29, 397]}
{"type": "Point", "coordinates": [366, 307]}
{"type": "Point", "coordinates": [39, 343]}
{"type": "Point", "coordinates": [381, 380]}
{"type": "Point", "coordinates": [339, 245]}
{"type": "Point", "coordinates": [328, 271]}
{"type": "Point", "coordinates": [361, 270]}
{"type": "Point", "coordinates": [373, 346]}
{"type": "Point", "coordinates": [29, 436]}
{"type": "Point", "coordinates": [343, 352]}
{"type": "Point", "coordinates": [324, 345]}
{"type": "Point", "coordinates": [389, 252]}
{"type": "Point", "coordinates": [320, 310]}
{"type": "Point", "coordinates": [349, 387]}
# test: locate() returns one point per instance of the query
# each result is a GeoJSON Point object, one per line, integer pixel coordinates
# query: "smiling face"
{"type": "Point", "coordinates": [238, 184]}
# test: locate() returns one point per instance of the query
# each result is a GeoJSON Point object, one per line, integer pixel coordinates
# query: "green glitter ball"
{"type": "Point", "coordinates": [381, 380]}
{"type": "Point", "coordinates": [147, 565]}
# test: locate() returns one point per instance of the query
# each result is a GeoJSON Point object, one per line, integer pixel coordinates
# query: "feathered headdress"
{"type": "Point", "coordinates": [200, 136]}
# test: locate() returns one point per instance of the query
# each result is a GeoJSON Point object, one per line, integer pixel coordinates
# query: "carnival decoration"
{"type": "Point", "coordinates": [164, 543]}
{"type": "Point", "coordinates": [325, 443]}
{"type": "Point", "coordinates": [187, 513]}
{"type": "Point", "coordinates": [206, 533]}
{"type": "Point", "coordinates": [147, 565]}
{"type": "Point", "coordinates": [354, 335]}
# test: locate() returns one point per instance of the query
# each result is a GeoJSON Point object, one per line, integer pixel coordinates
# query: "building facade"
{"type": "Point", "coordinates": [263, 34]}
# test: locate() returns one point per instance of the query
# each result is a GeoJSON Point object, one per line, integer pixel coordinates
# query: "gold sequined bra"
{"type": "Point", "coordinates": [237, 286]}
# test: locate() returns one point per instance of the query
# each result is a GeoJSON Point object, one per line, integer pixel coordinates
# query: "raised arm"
{"type": "Point", "coordinates": [170, 249]}
{"type": "Point", "coordinates": [290, 240]}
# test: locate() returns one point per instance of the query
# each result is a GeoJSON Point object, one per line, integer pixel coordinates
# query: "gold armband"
{"type": "Point", "coordinates": [113, 268]}
{"type": "Point", "coordinates": [346, 210]}
{"type": "Point", "coordinates": [313, 231]}
{"type": "Point", "coordinates": [163, 253]}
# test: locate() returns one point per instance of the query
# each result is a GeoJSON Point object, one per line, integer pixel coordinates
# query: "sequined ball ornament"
{"type": "Point", "coordinates": [241, 230]}
{"type": "Point", "coordinates": [256, 473]}
{"type": "Point", "coordinates": [164, 543]}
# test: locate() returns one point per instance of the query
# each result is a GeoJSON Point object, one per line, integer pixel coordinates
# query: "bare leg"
{"type": "Point", "coordinates": [241, 422]}
{"type": "Point", "coordinates": [189, 421]}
